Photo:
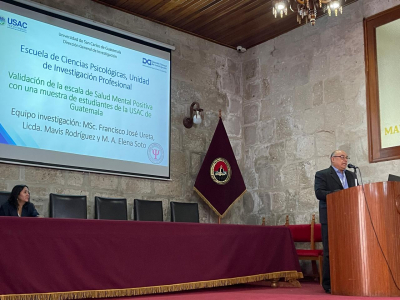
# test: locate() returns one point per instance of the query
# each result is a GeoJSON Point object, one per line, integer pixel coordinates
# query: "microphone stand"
{"type": "Point", "coordinates": [355, 174]}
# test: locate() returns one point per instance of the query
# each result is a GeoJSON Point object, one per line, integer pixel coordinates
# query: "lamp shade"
{"type": "Point", "coordinates": [197, 118]}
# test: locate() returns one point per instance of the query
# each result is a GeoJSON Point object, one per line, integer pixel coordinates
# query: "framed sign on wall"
{"type": "Point", "coordinates": [382, 62]}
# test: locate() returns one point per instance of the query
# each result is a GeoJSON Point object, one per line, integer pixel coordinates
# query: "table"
{"type": "Point", "coordinates": [74, 259]}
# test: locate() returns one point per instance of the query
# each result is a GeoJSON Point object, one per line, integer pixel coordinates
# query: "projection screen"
{"type": "Point", "coordinates": [75, 95]}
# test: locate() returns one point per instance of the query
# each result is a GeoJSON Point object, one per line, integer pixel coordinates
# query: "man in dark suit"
{"type": "Point", "coordinates": [327, 181]}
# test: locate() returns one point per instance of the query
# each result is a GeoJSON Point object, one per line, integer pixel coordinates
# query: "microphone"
{"type": "Point", "coordinates": [352, 166]}
{"type": "Point", "coordinates": [355, 172]}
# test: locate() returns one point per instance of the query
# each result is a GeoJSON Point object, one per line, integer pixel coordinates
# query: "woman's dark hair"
{"type": "Point", "coordinates": [13, 199]}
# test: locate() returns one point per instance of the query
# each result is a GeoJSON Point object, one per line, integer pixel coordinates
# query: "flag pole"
{"type": "Point", "coordinates": [220, 116]}
{"type": "Point", "coordinates": [219, 181]}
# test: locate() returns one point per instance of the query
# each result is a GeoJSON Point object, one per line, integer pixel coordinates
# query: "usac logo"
{"type": "Point", "coordinates": [220, 171]}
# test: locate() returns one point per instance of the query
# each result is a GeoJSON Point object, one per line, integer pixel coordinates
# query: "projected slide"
{"type": "Point", "coordinates": [97, 97]}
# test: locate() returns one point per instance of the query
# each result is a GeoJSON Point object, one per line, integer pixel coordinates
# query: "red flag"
{"type": "Point", "coordinates": [219, 182]}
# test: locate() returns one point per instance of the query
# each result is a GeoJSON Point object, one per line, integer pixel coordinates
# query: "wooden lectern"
{"type": "Point", "coordinates": [357, 262]}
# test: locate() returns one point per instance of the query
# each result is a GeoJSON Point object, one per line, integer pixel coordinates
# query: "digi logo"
{"type": "Point", "coordinates": [146, 61]}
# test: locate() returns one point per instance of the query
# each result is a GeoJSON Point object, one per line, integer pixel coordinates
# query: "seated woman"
{"type": "Point", "coordinates": [18, 204]}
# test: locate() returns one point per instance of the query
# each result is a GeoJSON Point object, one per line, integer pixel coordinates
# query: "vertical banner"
{"type": "Point", "coordinates": [219, 182]}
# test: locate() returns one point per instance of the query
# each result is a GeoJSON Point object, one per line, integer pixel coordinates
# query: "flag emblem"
{"type": "Point", "coordinates": [220, 171]}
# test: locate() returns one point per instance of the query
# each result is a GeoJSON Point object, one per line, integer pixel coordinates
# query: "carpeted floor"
{"type": "Point", "coordinates": [309, 290]}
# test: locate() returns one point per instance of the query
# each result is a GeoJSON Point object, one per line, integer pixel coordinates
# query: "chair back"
{"type": "Point", "coordinates": [184, 212]}
{"type": "Point", "coordinates": [306, 232]}
{"type": "Point", "coordinates": [110, 208]}
{"type": "Point", "coordinates": [145, 210]}
{"type": "Point", "coordinates": [301, 232]}
{"type": "Point", "coordinates": [4, 197]}
{"type": "Point", "coordinates": [68, 206]}
{"type": "Point", "coordinates": [317, 233]}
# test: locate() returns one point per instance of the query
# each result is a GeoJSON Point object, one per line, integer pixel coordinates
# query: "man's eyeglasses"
{"type": "Point", "coordinates": [342, 157]}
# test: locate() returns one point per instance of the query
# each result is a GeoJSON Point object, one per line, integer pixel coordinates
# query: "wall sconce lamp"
{"type": "Point", "coordinates": [196, 115]}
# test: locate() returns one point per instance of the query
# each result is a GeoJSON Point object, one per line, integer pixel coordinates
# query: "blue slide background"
{"type": "Point", "coordinates": [20, 99]}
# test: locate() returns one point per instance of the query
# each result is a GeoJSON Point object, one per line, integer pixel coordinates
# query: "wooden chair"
{"type": "Point", "coordinates": [308, 233]}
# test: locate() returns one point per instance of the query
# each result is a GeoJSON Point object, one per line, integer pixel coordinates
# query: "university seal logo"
{"type": "Point", "coordinates": [155, 153]}
{"type": "Point", "coordinates": [220, 171]}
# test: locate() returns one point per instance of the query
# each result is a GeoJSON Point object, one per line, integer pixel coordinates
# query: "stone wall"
{"type": "Point", "coordinates": [304, 96]}
{"type": "Point", "coordinates": [286, 104]}
{"type": "Point", "coordinates": [201, 71]}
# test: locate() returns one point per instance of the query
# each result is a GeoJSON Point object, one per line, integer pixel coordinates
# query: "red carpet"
{"type": "Point", "coordinates": [309, 290]}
